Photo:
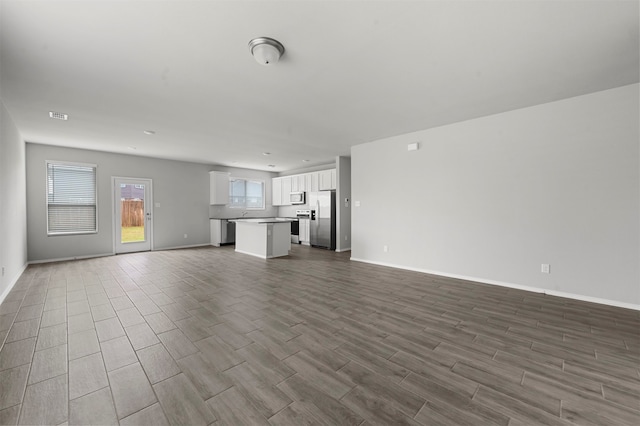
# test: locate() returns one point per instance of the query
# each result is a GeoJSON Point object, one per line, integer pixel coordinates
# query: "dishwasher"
{"type": "Point", "coordinates": [223, 232]}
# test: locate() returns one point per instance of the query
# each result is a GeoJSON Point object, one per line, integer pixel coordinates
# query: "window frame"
{"type": "Point", "coordinates": [245, 180]}
{"type": "Point", "coordinates": [46, 196]}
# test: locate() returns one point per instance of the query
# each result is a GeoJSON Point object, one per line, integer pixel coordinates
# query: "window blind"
{"type": "Point", "coordinates": [71, 198]}
{"type": "Point", "coordinates": [246, 194]}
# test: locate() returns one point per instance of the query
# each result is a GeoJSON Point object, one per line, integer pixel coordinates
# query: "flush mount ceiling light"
{"type": "Point", "coordinates": [58, 116]}
{"type": "Point", "coordinates": [266, 50]}
{"type": "Point", "coordinates": [149, 132]}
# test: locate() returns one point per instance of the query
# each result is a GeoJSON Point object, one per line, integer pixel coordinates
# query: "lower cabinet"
{"type": "Point", "coordinates": [304, 230]}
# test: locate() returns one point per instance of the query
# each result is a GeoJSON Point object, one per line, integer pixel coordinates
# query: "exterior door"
{"type": "Point", "coordinates": [132, 202]}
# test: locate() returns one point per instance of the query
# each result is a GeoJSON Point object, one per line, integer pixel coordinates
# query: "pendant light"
{"type": "Point", "coordinates": [266, 50]}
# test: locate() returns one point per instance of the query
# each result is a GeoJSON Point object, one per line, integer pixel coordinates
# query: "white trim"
{"type": "Point", "coordinates": [343, 250]}
{"type": "Point", "coordinates": [264, 193]}
{"type": "Point", "coordinates": [179, 247]}
{"type": "Point", "coordinates": [509, 285]}
{"type": "Point", "coordinates": [250, 254]}
{"type": "Point", "coordinates": [115, 209]}
{"type": "Point", "coordinates": [65, 259]}
{"type": "Point", "coordinates": [13, 282]}
{"type": "Point", "coordinates": [91, 256]}
{"type": "Point", "coordinates": [46, 194]}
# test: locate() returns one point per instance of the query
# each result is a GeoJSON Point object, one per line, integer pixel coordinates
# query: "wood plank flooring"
{"type": "Point", "coordinates": [207, 336]}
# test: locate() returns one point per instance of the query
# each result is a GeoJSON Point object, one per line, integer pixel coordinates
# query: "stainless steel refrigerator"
{"type": "Point", "coordinates": [323, 219]}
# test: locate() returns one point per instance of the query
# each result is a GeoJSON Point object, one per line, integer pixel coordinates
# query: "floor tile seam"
{"type": "Point", "coordinates": [113, 396]}
{"type": "Point", "coordinates": [33, 384]}
{"type": "Point", "coordinates": [586, 395]}
{"type": "Point", "coordinates": [24, 392]}
{"type": "Point", "coordinates": [165, 379]}
{"type": "Point", "coordinates": [13, 321]}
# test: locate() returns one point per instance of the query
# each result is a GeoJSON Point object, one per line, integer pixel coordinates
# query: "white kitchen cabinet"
{"type": "Point", "coordinates": [218, 188]}
{"type": "Point", "coordinates": [276, 191]}
{"type": "Point", "coordinates": [327, 179]}
{"type": "Point", "coordinates": [286, 190]}
{"type": "Point", "coordinates": [307, 182]}
{"type": "Point", "coordinates": [304, 231]}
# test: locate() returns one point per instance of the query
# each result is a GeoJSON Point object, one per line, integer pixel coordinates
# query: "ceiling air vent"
{"type": "Point", "coordinates": [58, 115]}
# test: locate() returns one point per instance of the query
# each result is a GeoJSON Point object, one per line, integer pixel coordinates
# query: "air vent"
{"type": "Point", "coordinates": [58, 115]}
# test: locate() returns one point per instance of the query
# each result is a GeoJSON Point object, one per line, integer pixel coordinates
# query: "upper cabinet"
{"type": "Point", "coordinates": [327, 180]}
{"type": "Point", "coordinates": [276, 191]}
{"type": "Point", "coordinates": [307, 182]}
{"type": "Point", "coordinates": [218, 188]}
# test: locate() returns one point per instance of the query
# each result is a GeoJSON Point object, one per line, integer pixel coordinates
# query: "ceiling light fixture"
{"type": "Point", "coordinates": [266, 153]}
{"type": "Point", "coordinates": [58, 115]}
{"type": "Point", "coordinates": [266, 50]}
{"type": "Point", "coordinates": [305, 161]}
{"type": "Point", "coordinates": [271, 165]}
{"type": "Point", "coordinates": [149, 132]}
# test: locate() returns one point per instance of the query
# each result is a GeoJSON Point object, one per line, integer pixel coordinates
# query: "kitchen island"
{"type": "Point", "coordinates": [263, 237]}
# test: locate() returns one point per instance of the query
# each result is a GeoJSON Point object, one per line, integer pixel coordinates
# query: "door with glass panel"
{"type": "Point", "coordinates": [132, 202]}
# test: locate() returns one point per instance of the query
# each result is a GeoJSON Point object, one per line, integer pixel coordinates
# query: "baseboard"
{"type": "Point", "coordinates": [65, 259]}
{"type": "Point", "coordinates": [593, 299]}
{"type": "Point", "coordinates": [183, 247]}
{"type": "Point", "coordinates": [91, 256]}
{"type": "Point", "coordinates": [509, 285]}
{"type": "Point", "coordinates": [343, 250]}
{"type": "Point", "coordinates": [12, 283]}
{"type": "Point", "coordinates": [251, 254]}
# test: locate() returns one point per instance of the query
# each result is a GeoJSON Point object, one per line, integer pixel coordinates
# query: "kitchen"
{"type": "Point", "coordinates": [303, 206]}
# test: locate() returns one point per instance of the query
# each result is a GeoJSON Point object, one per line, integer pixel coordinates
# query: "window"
{"type": "Point", "coordinates": [246, 194]}
{"type": "Point", "coordinates": [71, 198]}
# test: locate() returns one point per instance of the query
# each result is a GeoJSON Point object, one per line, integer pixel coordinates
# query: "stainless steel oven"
{"type": "Point", "coordinates": [303, 225]}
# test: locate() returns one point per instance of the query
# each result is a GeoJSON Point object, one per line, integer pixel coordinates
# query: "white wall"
{"type": "Point", "coordinates": [13, 207]}
{"type": "Point", "coordinates": [181, 188]}
{"type": "Point", "coordinates": [493, 198]}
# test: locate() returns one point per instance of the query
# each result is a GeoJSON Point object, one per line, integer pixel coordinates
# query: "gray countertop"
{"type": "Point", "coordinates": [264, 220]}
{"type": "Point", "coordinates": [243, 218]}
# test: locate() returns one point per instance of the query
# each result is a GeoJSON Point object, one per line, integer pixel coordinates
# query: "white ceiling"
{"type": "Point", "coordinates": [353, 71]}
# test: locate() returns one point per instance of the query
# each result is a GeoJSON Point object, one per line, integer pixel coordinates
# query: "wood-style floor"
{"type": "Point", "coordinates": [208, 336]}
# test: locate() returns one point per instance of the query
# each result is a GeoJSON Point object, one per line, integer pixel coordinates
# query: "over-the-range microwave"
{"type": "Point", "coordinates": [296, 197]}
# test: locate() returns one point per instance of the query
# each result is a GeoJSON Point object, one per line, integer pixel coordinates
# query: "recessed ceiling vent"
{"type": "Point", "coordinates": [58, 115]}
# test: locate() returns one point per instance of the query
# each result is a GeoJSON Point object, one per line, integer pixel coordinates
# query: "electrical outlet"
{"type": "Point", "coordinates": [385, 248]}
{"type": "Point", "coordinates": [3, 271]}
{"type": "Point", "coordinates": [185, 235]}
{"type": "Point", "coordinates": [545, 268]}
{"type": "Point", "coordinates": [346, 238]}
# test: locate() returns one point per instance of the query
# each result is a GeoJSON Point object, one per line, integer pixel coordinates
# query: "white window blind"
{"type": "Point", "coordinates": [246, 194]}
{"type": "Point", "coordinates": [71, 198]}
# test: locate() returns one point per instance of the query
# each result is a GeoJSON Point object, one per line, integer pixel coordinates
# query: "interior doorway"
{"type": "Point", "coordinates": [132, 214]}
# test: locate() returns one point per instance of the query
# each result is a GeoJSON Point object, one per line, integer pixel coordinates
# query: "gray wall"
{"type": "Point", "coordinates": [181, 188]}
{"type": "Point", "coordinates": [493, 198]}
{"type": "Point", "coordinates": [13, 205]}
{"type": "Point", "coordinates": [343, 209]}
{"type": "Point", "coordinates": [224, 212]}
